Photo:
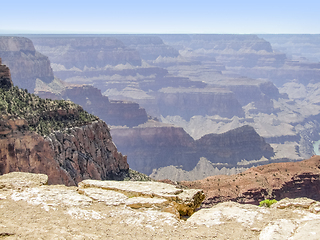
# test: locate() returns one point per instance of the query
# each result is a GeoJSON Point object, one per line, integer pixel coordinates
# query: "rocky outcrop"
{"type": "Point", "coordinates": [25, 63]}
{"type": "Point", "coordinates": [185, 201]}
{"type": "Point", "coordinates": [234, 146]}
{"type": "Point", "coordinates": [57, 138]}
{"type": "Point", "coordinates": [125, 210]}
{"type": "Point", "coordinates": [156, 145]}
{"type": "Point", "coordinates": [67, 158]}
{"type": "Point", "coordinates": [112, 112]}
{"type": "Point", "coordinates": [120, 113]}
{"type": "Point", "coordinates": [276, 180]}
{"type": "Point", "coordinates": [5, 77]}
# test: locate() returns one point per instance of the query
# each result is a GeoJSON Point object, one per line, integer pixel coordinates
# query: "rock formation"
{"type": "Point", "coordinates": [188, 102]}
{"type": "Point", "coordinates": [143, 210]}
{"type": "Point", "coordinates": [151, 146]}
{"type": "Point", "coordinates": [149, 47]}
{"type": "Point", "coordinates": [5, 77]}
{"type": "Point", "coordinates": [86, 52]}
{"type": "Point", "coordinates": [272, 181]}
{"type": "Point", "coordinates": [25, 63]}
{"type": "Point", "coordinates": [57, 138]}
{"type": "Point", "coordinates": [120, 113]}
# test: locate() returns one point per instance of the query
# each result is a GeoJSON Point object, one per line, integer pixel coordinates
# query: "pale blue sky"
{"type": "Point", "coordinates": [165, 16]}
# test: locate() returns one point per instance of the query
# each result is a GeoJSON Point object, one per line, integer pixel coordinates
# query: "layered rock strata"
{"type": "Point", "coordinates": [154, 145]}
{"type": "Point", "coordinates": [5, 77]}
{"type": "Point", "coordinates": [57, 138]}
{"type": "Point", "coordinates": [25, 63]}
{"type": "Point", "coordinates": [86, 52]}
{"type": "Point", "coordinates": [67, 158]}
{"type": "Point", "coordinates": [188, 102]}
{"type": "Point", "coordinates": [275, 181]}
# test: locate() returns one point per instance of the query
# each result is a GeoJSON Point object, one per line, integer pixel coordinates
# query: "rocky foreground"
{"type": "Point", "coordinates": [30, 209]}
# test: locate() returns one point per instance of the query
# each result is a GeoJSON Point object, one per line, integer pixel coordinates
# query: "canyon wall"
{"type": "Point", "coordinates": [5, 77]}
{"type": "Point", "coordinates": [56, 138]}
{"type": "Point", "coordinates": [86, 52]}
{"type": "Point", "coordinates": [158, 145]}
{"type": "Point", "coordinates": [25, 63]}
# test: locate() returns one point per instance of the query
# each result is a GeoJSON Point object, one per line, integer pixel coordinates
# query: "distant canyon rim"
{"type": "Point", "coordinates": [165, 92]}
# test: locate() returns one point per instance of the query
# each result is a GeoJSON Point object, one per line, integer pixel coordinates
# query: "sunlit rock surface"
{"type": "Point", "coordinates": [56, 211]}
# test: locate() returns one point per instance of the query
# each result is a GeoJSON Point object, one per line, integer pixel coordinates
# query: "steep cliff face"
{"type": "Point", "coordinates": [88, 153]}
{"type": "Point", "coordinates": [276, 180]}
{"type": "Point", "coordinates": [25, 63]}
{"type": "Point", "coordinates": [234, 146]}
{"type": "Point", "coordinates": [5, 77]}
{"type": "Point", "coordinates": [155, 145]}
{"type": "Point", "coordinates": [57, 138]}
{"type": "Point", "coordinates": [158, 145]}
{"type": "Point", "coordinates": [85, 152]}
{"type": "Point", "coordinates": [121, 113]}
{"type": "Point", "coordinates": [188, 102]}
{"type": "Point", "coordinates": [81, 52]}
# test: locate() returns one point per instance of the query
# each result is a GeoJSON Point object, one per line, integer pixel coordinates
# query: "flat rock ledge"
{"type": "Point", "coordinates": [141, 210]}
{"type": "Point", "coordinates": [145, 194]}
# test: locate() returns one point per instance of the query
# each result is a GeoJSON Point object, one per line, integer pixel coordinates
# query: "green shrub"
{"type": "Point", "coordinates": [267, 202]}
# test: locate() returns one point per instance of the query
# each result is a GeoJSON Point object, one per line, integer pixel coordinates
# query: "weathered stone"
{"type": "Point", "coordinates": [56, 211]}
{"type": "Point", "coordinates": [65, 158]}
{"type": "Point", "coordinates": [18, 180]}
{"type": "Point", "coordinates": [185, 201]}
{"type": "Point", "coordinates": [244, 214]}
{"type": "Point", "coordinates": [111, 198]}
{"type": "Point", "coordinates": [52, 196]}
{"type": "Point", "coordinates": [278, 230]}
{"type": "Point", "coordinates": [305, 203]}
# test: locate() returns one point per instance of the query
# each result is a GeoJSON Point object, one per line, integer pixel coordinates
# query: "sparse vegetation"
{"type": "Point", "coordinates": [136, 176]}
{"type": "Point", "coordinates": [42, 115]}
{"type": "Point", "coordinates": [267, 202]}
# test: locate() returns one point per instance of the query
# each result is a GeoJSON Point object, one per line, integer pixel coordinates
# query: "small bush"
{"type": "Point", "coordinates": [267, 202]}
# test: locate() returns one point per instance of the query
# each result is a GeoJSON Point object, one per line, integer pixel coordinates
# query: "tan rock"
{"type": "Point", "coordinates": [184, 201]}
{"type": "Point", "coordinates": [18, 180]}
{"type": "Point", "coordinates": [60, 212]}
{"type": "Point", "coordinates": [294, 203]}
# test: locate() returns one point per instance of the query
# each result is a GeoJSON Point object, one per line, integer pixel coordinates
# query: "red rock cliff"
{"type": "Point", "coordinates": [5, 77]}
{"type": "Point", "coordinates": [85, 152]}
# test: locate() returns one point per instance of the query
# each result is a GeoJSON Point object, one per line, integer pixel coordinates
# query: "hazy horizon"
{"type": "Point", "coordinates": [160, 17]}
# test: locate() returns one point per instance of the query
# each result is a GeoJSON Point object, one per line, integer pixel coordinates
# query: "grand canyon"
{"type": "Point", "coordinates": [178, 122]}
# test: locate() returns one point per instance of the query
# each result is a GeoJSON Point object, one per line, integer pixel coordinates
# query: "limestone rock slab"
{"type": "Point", "coordinates": [184, 201]}
{"type": "Point", "coordinates": [18, 180]}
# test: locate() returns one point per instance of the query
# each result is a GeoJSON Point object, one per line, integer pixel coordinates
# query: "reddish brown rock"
{"type": "Point", "coordinates": [67, 158]}
{"type": "Point", "coordinates": [276, 181]}
{"type": "Point", "coordinates": [5, 76]}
